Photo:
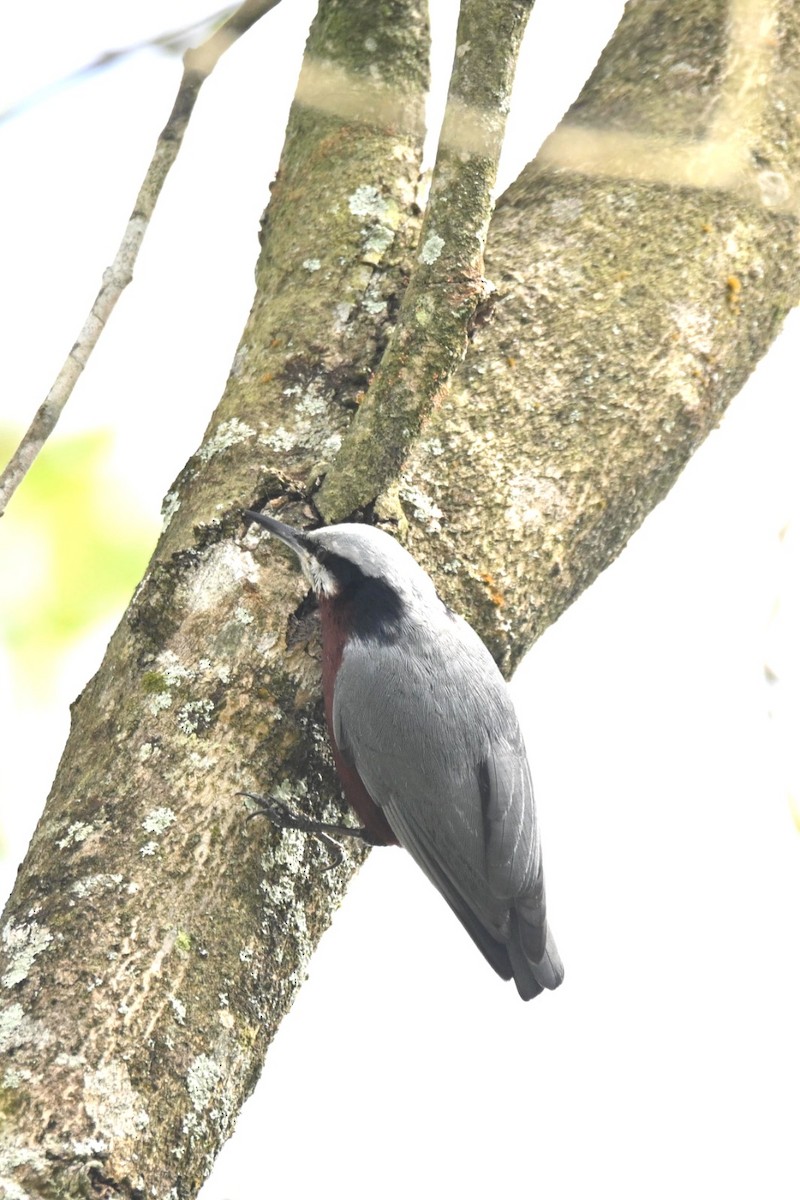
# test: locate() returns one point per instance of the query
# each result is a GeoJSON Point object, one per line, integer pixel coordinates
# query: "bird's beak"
{"type": "Point", "coordinates": [322, 581]}
{"type": "Point", "coordinates": [292, 537]}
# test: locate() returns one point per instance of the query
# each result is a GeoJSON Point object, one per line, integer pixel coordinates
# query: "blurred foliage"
{"type": "Point", "coordinates": [73, 546]}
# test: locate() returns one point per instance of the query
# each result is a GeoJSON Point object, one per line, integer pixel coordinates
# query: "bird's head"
{"type": "Point", "coordinates": [346, 562]}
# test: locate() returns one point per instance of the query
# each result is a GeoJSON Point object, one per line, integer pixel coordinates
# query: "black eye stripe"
{"type": "Point", "coordinates": [375, 608]}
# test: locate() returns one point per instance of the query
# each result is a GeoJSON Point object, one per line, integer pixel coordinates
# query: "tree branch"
{"type": "Point", "coordinates": [153, 942]}
{"type": "Point", "coordinates": [155, 939]}
{"type": "Point", "coordinates": [198, 65]}
{"type": "Point", "coordinates": [634, 299]}
{"type": "Point", "coordinates": [431, 334]}
{"type": "Point", "coordinates": [173, 41]}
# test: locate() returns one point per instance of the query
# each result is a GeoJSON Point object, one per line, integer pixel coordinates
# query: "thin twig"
{"type": "Point", "coordinates": [440, 302]}
{"type": "Point", "coordinates": [197, 66]}
{"type": "Point", "coordinates": [175, 41]}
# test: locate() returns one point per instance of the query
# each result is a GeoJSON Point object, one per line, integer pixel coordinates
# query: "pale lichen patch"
{"type": "Point", "coordinates": [219, 575]}
{"type": "Point", "coordinates": [158, 702]}
{"type": "Point", "coordinates": [82, 888]}
{"type": "Point", "coordinates": [23, 943]}
{"type": "Point", "coordinates": [179, 1009]}
{"type": "Point", "coordinates": [367, 201]}
{"type": "Point", "coordinates": [431, 249]}
{"type": "Point", "coordinates": [375, 307]}
{"type": "Point", "coordinates": [89, 1148]}
{"type": "Point", "coordinates": [695, 327]}
{"type": "Point", "coordinates": [113, 1104]}
{"type": "Point", "coordinates": [202, 1080]}
{"type": "Point", "coordinates": [78, 832]}
{"type": "Point", "coordinates": [172, 669]}
{"type": "Point", "coordinates": [376, 241]}
{"type": "Point", "coordinates": [313, 404]}
{"type": "Point", "coordinates": [195, 716]}
{"type": "Point", "coordinates": [169, 508]}
{"type": "Point", "coordinates": [70, 1060]}
{"type": "Point", "coordinates": [18, 1029]}
{"type": "Point", "coordinates": [12, 1157]}
{"type": "Point", "coordinates": [279, 440]}
{"type": "Point", "coordinates": [305, 427]}
{"type": "Point", "coordinates": [424, 508]}
{"type": "Point", "coordinates": [277, 893]}
{"type": "Point", "coordinates": [158, 819]}
{"type": "Point", "coordinates": [11, 1018]}
{"type": "Point", "coordinates": [564, 209]}
{"type": "Point", "coordinates": [433, 446]}
{"type": "Point", "coordinates": [381, 214]}
{"type": "Point", "coordinates": [228, 434]}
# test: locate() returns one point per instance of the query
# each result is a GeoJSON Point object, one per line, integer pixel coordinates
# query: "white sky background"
{"type": "Point", "coordinates": [668, 1062]}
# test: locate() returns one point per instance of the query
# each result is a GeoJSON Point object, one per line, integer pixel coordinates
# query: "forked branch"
{"type": "Point", "coordinates": [439, 305]}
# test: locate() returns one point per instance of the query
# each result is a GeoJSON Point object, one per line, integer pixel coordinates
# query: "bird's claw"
{"type": "Point", "coordinates": [267, 807]}
{"type": "Point", "coordinates": [283, 818]}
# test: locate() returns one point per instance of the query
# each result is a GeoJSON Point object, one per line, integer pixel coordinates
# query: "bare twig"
{"type": "Point", "coordinates": [197, 66]}
{"type": "Point", "coordinates": [440, 303]}
{"type": "Point", "coordinates": [174, 41]}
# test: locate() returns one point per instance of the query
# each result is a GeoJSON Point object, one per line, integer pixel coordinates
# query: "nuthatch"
{"type": "Point", "coordinates": [426, 742]}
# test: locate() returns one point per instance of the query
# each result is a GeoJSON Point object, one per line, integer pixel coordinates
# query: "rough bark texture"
{"type": "Point", "coordinates": [430, 339]}
{"type": "Point", "coordinates": [153, 940]}
{"type": "Point", "coordinates": [630, 311]}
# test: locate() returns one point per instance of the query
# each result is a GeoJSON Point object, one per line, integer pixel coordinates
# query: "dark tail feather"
{"type": "Point", "coordinates": [532, 977]}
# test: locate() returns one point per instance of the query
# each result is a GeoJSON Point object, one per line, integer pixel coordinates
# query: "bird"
{"type": "Point", "coordinates": [426, 742]}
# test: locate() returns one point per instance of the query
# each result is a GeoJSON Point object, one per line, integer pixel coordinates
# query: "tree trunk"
{"type": "Point", "coordinates": [643, 263]}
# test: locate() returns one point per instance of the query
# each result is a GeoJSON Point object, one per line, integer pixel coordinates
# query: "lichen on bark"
{"type": "Point", "coordinates": [636, 290]}
{"type": "Point", "coordinates": [447, 284]}
{"type": "Point", "coordinates": [155, 939]}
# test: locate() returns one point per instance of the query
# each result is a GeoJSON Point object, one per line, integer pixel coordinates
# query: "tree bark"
{"type": "Point", "coordinates": [430, 337]}
{"type": "Point", "coordinates": [154, 939]}
{"type": "Point", "coordinates": [643, 262]}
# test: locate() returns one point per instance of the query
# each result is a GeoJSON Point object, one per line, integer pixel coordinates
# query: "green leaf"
{"type": "Point", "coordinates": [73, 545]}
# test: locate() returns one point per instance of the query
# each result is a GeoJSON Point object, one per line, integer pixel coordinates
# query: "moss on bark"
{"type": "Point", "coordinates": [154, 940]}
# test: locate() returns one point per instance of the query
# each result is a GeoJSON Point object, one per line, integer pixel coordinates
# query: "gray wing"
{"type": "Point", "coordinates": [436, 741]}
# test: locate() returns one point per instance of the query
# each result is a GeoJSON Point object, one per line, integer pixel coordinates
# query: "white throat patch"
{"type": "Point", "coordinates": [321, 580]}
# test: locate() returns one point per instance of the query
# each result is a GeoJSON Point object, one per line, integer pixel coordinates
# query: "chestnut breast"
{"type": "Point", "coordinates": [336, 616]}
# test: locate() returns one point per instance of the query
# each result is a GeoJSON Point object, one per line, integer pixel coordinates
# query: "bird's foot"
{"type": "Point", "coordinates": [283, 818]}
